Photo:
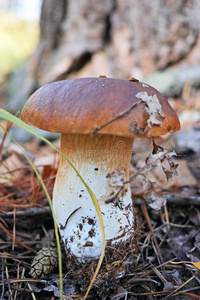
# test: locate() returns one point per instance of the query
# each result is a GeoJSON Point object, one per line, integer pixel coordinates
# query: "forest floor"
{"type": "Point", "coordinates": [164, 261]}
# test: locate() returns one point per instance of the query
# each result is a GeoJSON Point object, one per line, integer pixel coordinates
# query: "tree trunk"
{"type": "Point", "coordinates": [116, 38]}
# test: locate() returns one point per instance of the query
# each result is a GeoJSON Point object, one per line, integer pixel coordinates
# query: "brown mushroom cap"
{"type": "Point", "coordinates": [81, 105]}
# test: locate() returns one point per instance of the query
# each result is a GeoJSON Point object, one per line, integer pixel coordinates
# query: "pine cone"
{"type": "Point", "coordinates": [45, 262]}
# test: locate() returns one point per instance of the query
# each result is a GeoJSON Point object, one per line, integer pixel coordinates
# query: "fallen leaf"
{"type": "Point", "coordinates": [184, 178]}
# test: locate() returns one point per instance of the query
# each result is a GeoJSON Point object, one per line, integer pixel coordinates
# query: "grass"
{"type": "Point", "coordinates": [18, 40]}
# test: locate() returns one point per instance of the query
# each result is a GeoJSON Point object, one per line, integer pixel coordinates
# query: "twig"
{"type": "Point", "coordinates": [157, 272]}
{"type": "Point", "coordinates": [171, 199]}
{"type": "Point", "coordinates": [2, 272]}
{"type": "Point", "coordinates": [31, 290]}
{"type": "Point", "coordinates": [115, 196]}
{"type": "Point", "coordinates": [167, 292]}
{"type": "Point", "coordinates": [16, 240]}
{"type": "Point", "coordinates": [8, 282]}
{"type": "Point", "coordinates": [29, 212]}
{"type": "Point", "coordinates": [178, 288]}
{"type": "Point", "coordinates": [146, 215]}
{"type": "Point", "coordinates": [16, 291]}
{"type": "Point", "coordinates": [166, 216]}
{"type": "Point", "coordinates": [122, 114]}
{"type": "Point", "coordinates": [28, 280]}
{"type": "Point", "coordinates": [63, 227]}
{"type": "Point", "coordinates": [14, 229]}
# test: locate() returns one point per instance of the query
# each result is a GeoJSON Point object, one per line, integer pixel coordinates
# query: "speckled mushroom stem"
{"type": "Point", "coordinates": [95, 157]}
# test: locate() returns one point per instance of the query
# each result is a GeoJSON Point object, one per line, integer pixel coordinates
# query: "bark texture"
{"type": "Point", "coordinates": [117, 38]}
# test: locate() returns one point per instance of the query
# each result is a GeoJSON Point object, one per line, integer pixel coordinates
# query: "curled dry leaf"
{"type": "Point", "coordinates": [185, 177]}
{"type": "Point", "coordinates": [154, 199]}
{"type": "Point", "coordinates": [157, 157]}
{"type": "Point", "coordinates": [147, 188]}
{"type": "Point", "coordinates": [173, 166]}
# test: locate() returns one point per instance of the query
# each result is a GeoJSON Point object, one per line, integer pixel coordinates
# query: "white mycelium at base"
{"type": "Point", "coordinates": [95, 157]}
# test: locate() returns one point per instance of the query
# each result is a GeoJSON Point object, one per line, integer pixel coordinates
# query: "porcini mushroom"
{"type": "Point", "coordinates": [98, 119]}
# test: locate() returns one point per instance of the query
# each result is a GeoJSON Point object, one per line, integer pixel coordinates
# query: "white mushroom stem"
{"type": "Point", "coordinates": [96, 158]}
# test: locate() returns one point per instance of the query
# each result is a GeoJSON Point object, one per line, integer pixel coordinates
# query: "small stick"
{"type": "Point", "coordinates": [146, 215]}
{"type": "Point", "coordinates": [63, 227]}
{"type": "Point", "coordinates": [122, 114]}
{"type": "Point", "coordinates": [157, 272]}
{"type": "Point", "coordinates": [18, 287]}
{"type": "Point", "coordinates": [174, 200]}
{"type": "Point", "coordinates": [166, 216]}
{"type": "Point", "coordinates": [114, 197]}
{"type": "Point", "coordinates": [14, 229]}
{"type": "Point", "coordinates": [173, 293]}
{"type": "Point", "coordinates": [8, 283]}
{"type": "Point", "coordinates": [16, 240]}
{"type": "Point", "coordinates": [2, 274]}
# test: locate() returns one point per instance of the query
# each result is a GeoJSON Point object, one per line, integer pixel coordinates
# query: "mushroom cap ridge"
{"type": "Point", "coordinates": [80, 105]}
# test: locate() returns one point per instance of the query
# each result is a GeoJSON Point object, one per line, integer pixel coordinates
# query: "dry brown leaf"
{"type": "Point", "coordinates": [146, 185]}
{"type": "Point", "coordinates": [147, 189]}
{"type": "Point", "coordinates": [9, 162]}
{"type": "Point", "coordinates": [184, 178]}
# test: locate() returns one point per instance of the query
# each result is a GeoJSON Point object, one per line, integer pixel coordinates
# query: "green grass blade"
{"type": "Point", "coordinates": [11, 118]}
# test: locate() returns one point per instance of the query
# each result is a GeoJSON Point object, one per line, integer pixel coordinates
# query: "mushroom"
{"type": "Point", "coordinates": [98, 119]}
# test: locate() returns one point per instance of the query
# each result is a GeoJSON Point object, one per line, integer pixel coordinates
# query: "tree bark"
{"type": "Point", "coordinates": [116, 38]}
